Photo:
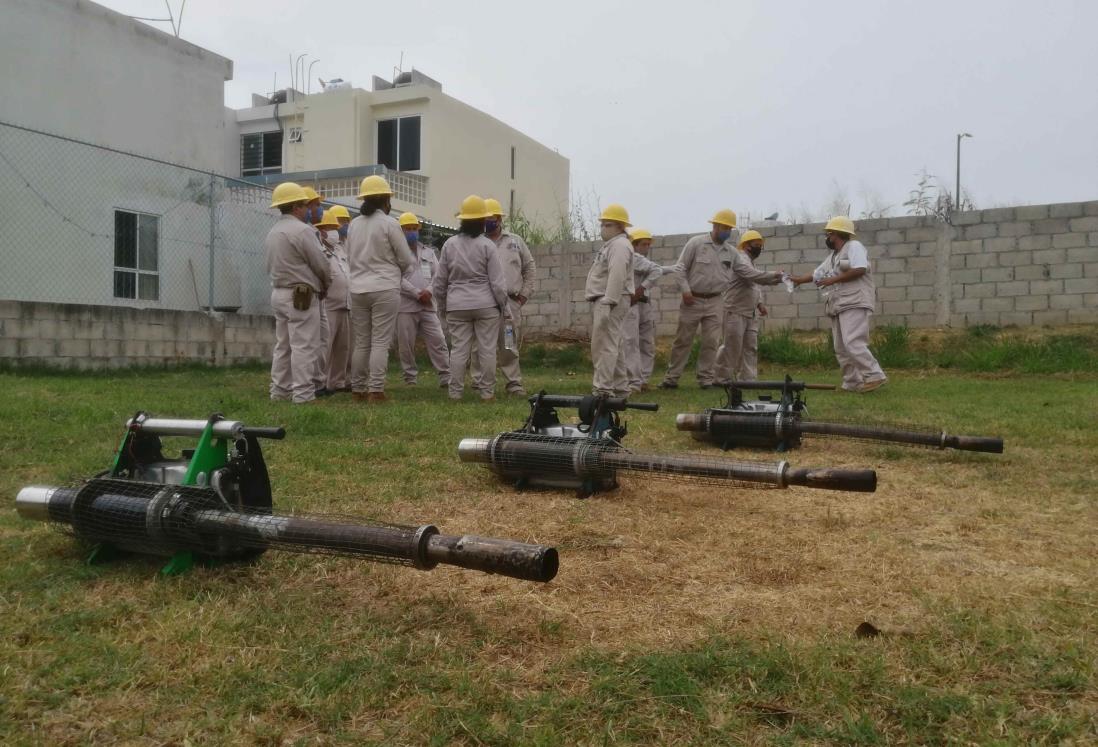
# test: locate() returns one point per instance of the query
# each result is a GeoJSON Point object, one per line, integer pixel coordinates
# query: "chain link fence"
{"type": "Point", "coordinates": [91, 225]}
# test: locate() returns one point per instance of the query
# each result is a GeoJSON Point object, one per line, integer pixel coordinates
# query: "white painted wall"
{"type": "Point", "coordinates": [77, 69]}
{"type": "Point", "coordinates": [463, 150]}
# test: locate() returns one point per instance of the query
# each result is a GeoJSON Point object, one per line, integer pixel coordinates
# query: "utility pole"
{"type": "Point", "coordinates": [957, 194]}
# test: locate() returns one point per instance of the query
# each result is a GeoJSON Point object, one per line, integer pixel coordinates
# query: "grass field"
{"type": "Point", "coordinates": [681, 614]}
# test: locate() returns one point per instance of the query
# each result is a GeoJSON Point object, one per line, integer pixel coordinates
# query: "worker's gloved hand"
{"type": "Point", "coordinates": [688, 298]}
{"type": "Point", "coordinates": [424, 296]}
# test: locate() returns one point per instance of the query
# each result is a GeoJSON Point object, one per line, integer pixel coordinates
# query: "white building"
{"type": "Point", "coordinates": [433, 149]}
{"type": "Point", "coordinates": [77, 69]}
{"type": "Point", "coordinates": [99, 227]}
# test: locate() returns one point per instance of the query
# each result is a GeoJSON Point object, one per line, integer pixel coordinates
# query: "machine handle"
{"type": "Point", "coordinates": [577, 400]}
{"type": "Point", "coordinates": [276, 432]}
{"type": "Point", "coordinates": [854, 480]}
{"type": "Point", "coordinates": [794, 386]}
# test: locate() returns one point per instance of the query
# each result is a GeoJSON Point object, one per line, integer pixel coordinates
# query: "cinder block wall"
{"type": "Point", "coordinates": [84, 337]}
{"type": "Point", "coordinates": [1032, 265]}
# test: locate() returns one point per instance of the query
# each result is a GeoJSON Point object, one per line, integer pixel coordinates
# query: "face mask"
{"type": "Point", "coordinates": [607, 233]}
{"type": "Point", "coordinates": [724, 235]}
{"type": "Point", "coordinates": [829, 243]}
{"type": "Point", "coordinates": [343, 231]}
{"type": "Point", "coordinates": [333, 237]}
{"type": "Point", "coordinates": [491, 225]}
{"type": "Point", "coordinates": [754, 252]}
{"type": "Point", "coordinates": [314, 214]}
{"type": "Point", "coordinates": [412, 236]}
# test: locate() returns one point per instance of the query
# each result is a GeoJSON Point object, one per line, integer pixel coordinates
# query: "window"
{"type": "Point", "coordinates": [512, 162]}
{"type": "Point", "coordinates": [398, 143]}
{"type": "Point", "coordinates": [261, 153]}
{"type": "Point", "coordinates": [136, 256]}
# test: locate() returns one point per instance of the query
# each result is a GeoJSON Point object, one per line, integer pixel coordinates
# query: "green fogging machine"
{"type": "Point", "coordinates": [779, 423]}
{"type": "Point", "coordinates": [587, 456]}
{"type": "Point", "coordinates": [214, 502]}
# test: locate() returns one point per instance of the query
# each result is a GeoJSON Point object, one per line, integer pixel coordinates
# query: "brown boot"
{"type": "Point", "coordinates": [376, 397]}
{"type": "Point", "coordinates": [359, 396]}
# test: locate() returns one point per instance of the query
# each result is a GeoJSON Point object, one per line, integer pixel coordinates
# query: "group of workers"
{"type": "Point", "coordinates": [345, 290]}
{"type": "Point", "coordinates": [721, 295]}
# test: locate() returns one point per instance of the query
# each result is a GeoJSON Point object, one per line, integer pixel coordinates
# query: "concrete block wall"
{"type": "Point", "coordinates": [1025, 266]}
{"type": "Point", "coordinates": [88, 337]}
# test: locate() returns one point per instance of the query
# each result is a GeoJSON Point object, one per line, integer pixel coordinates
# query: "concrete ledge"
{"type": "Point", "coordinates": [106, 337]}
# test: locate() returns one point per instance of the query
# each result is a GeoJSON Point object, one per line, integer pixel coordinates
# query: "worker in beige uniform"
{"type": "Point", "coordinates": [299, 275]}
{"type": "Point", "coordinates": [339, 379]}
{"type": "Point", "coordinates": [417, 317]}
{"type": "Point", "coordinates": [471, 289]}
{"type": "Point", "coordinates": [377, 255]}
{"type": "Point", "coordinates": [737, 358]}
{"type": "Point", "coordinates": [702, 280]}
{"type": "Point", "coordinates": [326, 227]}
{"type": "Point", "coordinates": [336, 362]}
{"type": "Point", "coordinates": [640, 323]}
{"type": "Point", "coordinates": [610, 290]}
{"type": "Point", "coordinates": [518, 271]}
{"type": "Point", "coordinates": [846, 284]}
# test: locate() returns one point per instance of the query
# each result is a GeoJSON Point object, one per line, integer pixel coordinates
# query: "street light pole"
{"type": "Point", "coordinates": [958, 192]}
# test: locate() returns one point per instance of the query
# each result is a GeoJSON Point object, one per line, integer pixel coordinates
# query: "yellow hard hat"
{"type": "Point", "coordinates": [724, 217]}
{"type": "Point", "coordinates": [373, 186]}
{"type": "Point", "coordinates": [493, 206]}
{"type": "Point", "coordinates": [617, 213]}
{"type": "Point", "coordinates": [409, 219]}
{"type": "Point", "coordinates": [328, 220]}
{"type": "Point", "coordinates": [751, 236]}
{"type": "Point", "coordinates": [473, 208]}
{"type": "Point", "coordinates": [338, 211]}
{"type": "Point", "coordinates": [311, 193]}
{"type": "Point", "coordinates": [286, 193]}
{"type": "Point", "coordinates": [639, 233]}
{"type": "Point", "coordinates": [842, 224]}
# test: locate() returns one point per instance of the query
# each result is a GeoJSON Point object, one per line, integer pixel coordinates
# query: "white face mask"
{"type": "Point", "coordinates": [608, 233]}
{"type": "Point", "coordinates": [333, 237]}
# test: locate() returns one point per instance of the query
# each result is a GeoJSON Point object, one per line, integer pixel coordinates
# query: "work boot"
{"type": "Point", "coordinates": [377, 397]}
{"type": "Point", "coordinates": [359, 396]}
{"type": "Point", "coordinates": [869, 386]}
{"type": "Point", "coordinates": [489, 398]}
{"type": "Point", "coordinates": [644, 387]}
{"type": "Point", "coordinates": [668, 385]}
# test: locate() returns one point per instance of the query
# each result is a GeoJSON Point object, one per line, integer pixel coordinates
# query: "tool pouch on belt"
{"type": "Point", "coordinates": [303, 296]}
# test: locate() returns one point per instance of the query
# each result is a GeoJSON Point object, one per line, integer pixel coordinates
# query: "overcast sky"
{"type": "Point", "coordinates": [676, 109]}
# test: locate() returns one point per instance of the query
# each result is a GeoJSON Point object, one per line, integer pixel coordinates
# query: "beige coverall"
{"type": "Point", "coordinates": [850, 305]}
{"type": "Point", "coordinates": [640, 324]}
{"type": "Point", "coordinates": [337, 305]}
{"type": "Point", "coordinates": [737, 358]}
{"type": "Point", "coordinates": [609, 286]}
{"type": "Point", "coordinates": [470, 289]}
{"type": "Point", "coordinates": [702, 274]}
{"type": "Point", "coordinates": [295, 257]}
{"type": "Point", "coordinates": [418, 319]}
{"type": "Point", "coordinates": [518, 273]}
{"type": "Point", "coordinates": [377, 254]}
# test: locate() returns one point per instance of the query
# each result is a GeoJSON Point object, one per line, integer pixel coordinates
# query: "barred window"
{"type": "Point", "coordinates": [261, 153]}
{"type": "Point", "coordinates": [136, 256]}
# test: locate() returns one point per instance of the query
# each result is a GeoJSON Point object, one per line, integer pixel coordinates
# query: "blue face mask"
{"type": "Point", "coordinates": [343, 231]}
{"type": "Point", "coordinates": [491, 225]}
{"type": "Point", "coordinates": [412, 236]}
{"type": "Point", "coordinates": [314, 214]}
{"type": "Point", "coordinates": [724, 235]}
